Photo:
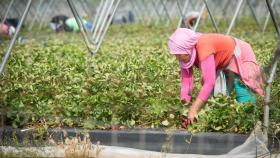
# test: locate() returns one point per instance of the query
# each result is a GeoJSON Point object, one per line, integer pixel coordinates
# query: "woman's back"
{"type": "Point", "coordinates": [222, 46]}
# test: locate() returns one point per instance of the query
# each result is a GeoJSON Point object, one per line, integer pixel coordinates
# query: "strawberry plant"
{"type": "Point", "coordinates": [132, 82]}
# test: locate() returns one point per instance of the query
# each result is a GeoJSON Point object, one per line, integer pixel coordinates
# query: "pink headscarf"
{"type": "Point", "coordinates": [183, 41]}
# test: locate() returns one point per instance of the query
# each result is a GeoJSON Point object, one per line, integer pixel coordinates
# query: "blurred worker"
{"type": "Point", "coordinates": [12, 22]}
{"type": "Point", "coordinates": [74, 27]}
{"type": "Point", "coordinates": [226, 64]}
{"type": "Point", "coordinates": [64, 23]}
{"type": "Point", "coordinates": [58, 23]}
{"type": "Point", "coordinates": [190, 19]}
{"type": "Point", "coordinates": [123, 18]}
{"type": "Point", "coordinates": [6, 30]}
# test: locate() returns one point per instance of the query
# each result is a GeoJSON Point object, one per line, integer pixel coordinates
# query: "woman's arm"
{"type": "Point", "coordinates": [208, 70]}
{"type": "Point", "coordinates": [187, 84]}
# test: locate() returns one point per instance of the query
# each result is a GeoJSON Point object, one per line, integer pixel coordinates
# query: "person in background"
{"type": "Point", "coordinates": [63, 23]}
{"type": "Point", "coordinates": [58, 24]}
{"type": "Point", "coordinates": [73, 26]}
{"type": "Point", "coordinates": [12, 22]}
{"type": "Point", "coordinates": [191, 18]}
{"type": "Point", "coordinates": [222, 60]}
{"type": "Point", "coordinates": [6, 30]}
{"type": "Point", "coordinates": [123, 18]}
{"type": "Point", "coordinates": [130, 16]}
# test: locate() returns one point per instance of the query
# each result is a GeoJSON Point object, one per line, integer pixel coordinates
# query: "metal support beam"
{"type": "Point", "coordinates": [182, 12]}
{"type": "Point", "coordinates": [166, 12]}
{"type": "Point", "coordinates": [154, 5]}
{"type": "Point", "coordinates": [224, 12]}
{"type": "Point", "coordinates": [93, 43]}
{"type": "Point", "coordinates": [102, 16]}
{"type": "Point", "coordinates": [211, 16]}
{"type": "Point", "coordinates": [46, 12]}
{"type": "Point", "coordinates": [272, 71]}
{"type": "Point", "coordinates": [199, 17]}
{"type": "Point", "coordinates": [106, 27]}
{"type": "Point", "coordinates": [253, 13]}
{"type": "Point", "coordinates": [80, 24]}
{"type": "Point", "coordinates": [7, 11]}
{"type": "Point", "coordinates": [267, 17]}
{"type": "Point", "coordinates": [97, 15]}
{"type": "Point", "coordinates": [234, 16]}
{"type": "Point", "coordinates": [37, 15]}
{"type": "Point", "coordinates": [12, 42]}
{"type": "Point", "coordinates": [103, 24]}
{"type": "Point", "coordinates": [273, 17]}
{"type": "Point", "coordinates": [136, 4]}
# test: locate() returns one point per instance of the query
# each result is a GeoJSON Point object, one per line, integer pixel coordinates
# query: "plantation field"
{"type": "Point", "coordinates": [52, 81]}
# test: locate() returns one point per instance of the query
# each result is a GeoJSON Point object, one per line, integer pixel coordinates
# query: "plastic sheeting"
{"type": "Point", "coordinates": [254, 146]}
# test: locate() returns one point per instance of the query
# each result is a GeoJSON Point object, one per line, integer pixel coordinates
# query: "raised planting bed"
{"type": "Point", "coordinates": [154, 140]}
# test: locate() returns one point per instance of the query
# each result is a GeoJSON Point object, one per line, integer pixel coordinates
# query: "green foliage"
{"type": "Point", "coordinates": [224, 114]}
{"type": "Point", "coordinates": [132, 82]}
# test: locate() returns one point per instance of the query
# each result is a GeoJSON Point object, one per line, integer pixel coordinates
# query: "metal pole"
{"type": "Point", "coordinates": [7, 12]}
{"type": "Point", "coordinates": [36, 15]}
{"type": "Point", "coordinates": [98, 11]}
{"type": "Point", "coordinates": [272, 72]}
{"type": "Point", "coordinates": [267, 18]}
{"type": "Point", "coordinates": [192, 5]}
{"type": "Point", "coordinates": [166, 12]}
{"type": "Point", "coordinates": [141, 5]}
{"type": "Point", "coordinates": [106, 28]}
{"type": "Point", "coordinates": [235, 16]}
{"type": "Point", "coordinates": [137, 11]}
{"type": "Point", "coordinates": [179, 8]}
{"type": "Point", "coordinates": [55, 10]}
{"type": "Point", "coordinates": [144, 11]}
{"type": "Point", "coordinates": [198, 4]}
{"type": "Point", "coordinates": [211, 16]}
{"type": "Point", "coordinates": [183, 12]}
{"type": "Point", "coordinates": [224, 12]}
{"type": "Point", "coordinates": [31, 12]}
{"type": "Point", "coordinates": [148, 12]}
{"type": "Point", "coordinates": [173, 10]}
{"type": "Point", "coordinates": [156, 10]}
{"type": "Point", "coordinates": [254, 14]}
{"type": "Point", "coordinates": [102, 15]}
{"type": "Point", "coordinates": [138, 5]}
{"type": "Point", "coordinates": [16, 9]}
{"type": "Point", "coordinates": [180, 12]}
{"type": "Point", "coordinates": [186, 5]}
{"type": "Point", "coordinates": [46, 13]}
{"type": "Point", "coordinates": [155, 6]}
{"type": "Point", "coordinates": [20, 6]}
{"type": "Point", "coordinates": [199, 17]}
{"type": "Point", "coordinates": [11, 44]}
{"type": "Point", "coordinates": [104, 21]}
{"type": "Point", "coordinates": [80, 24]}
{"type": "Point", "coordinates": [85, 7]}
{"type": "Point", "coordinates": [273, 17]}
{"type": "Point", "coordinates": [2, 9]}
{"type": "Point", "coordinates": [151, 11]}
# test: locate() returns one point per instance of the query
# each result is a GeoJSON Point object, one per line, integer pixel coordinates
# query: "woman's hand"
{"type": "Point", "coordinates": [185, 121]}
{"type": "Point", "coordinates": [194, 109]}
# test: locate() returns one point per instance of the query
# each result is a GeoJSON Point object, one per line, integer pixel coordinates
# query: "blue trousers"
{"type": "Point", "coordinates": [243, 93]}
